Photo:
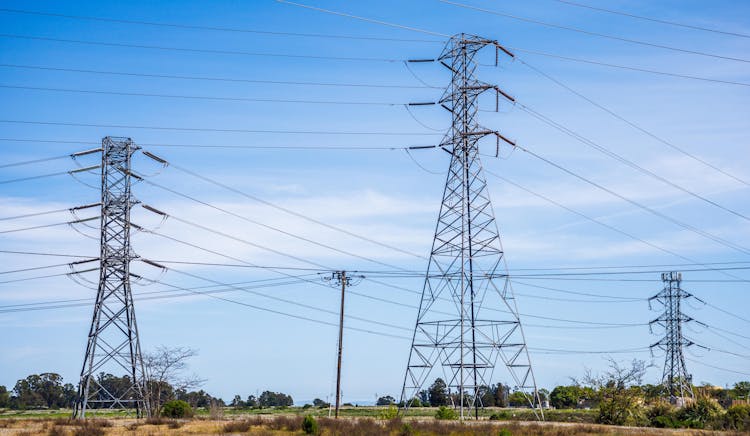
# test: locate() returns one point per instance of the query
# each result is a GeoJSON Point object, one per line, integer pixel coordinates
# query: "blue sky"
{"type": "Point", "coordinates": [382, 194]}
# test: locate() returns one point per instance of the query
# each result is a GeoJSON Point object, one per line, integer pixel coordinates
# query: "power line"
{"type": "Point", "coordinates": [537, 52]}
{"type": "Point", "coordinates": [595, 220]}
{"type": "Point", "coordinates": [295, 303]}
{"type": "Point", "coordinates": [386, 284]}
{"type": "Point", "coordinates": [217, 79]}
{"type": "Point", "coordinates": [594, 273]}
{"type": "Point", "coordinates": [628, 67]}
{"type": "Point", "coordinates": [270, 227]}
{"type": "Point", "coordinates": [34, 161]}
{"type": "Point", "coordinates": [198, 129]}
{"type": "Point", "coordinates": [654, 20]}
{"type": "Point", "coordinates": [573, 300]}
{"type": "Point", "coordinates": [563, 351]}
{"type": "Point", "coordinates": [729, 332]}
{"type": "Point", "coordinates": [625, 161]}
{"type": "Point", "coordinates": [238, 146]}
{"type": "Point", "coordinates": [294, 213]}
{"type": "Point", "coordinates": [202, 50]}
{"type": "Point", "coordinates": [40, 176]}
{"type": "Point", "coordinates": [700, 362]}
{"type": "Point", "coordinates": [265, 309]}
{"type": "Point", "coordinates": [632, 124]}
{"type": "Point", "coordinates": [29, 215]}
{"type": "Point", "coordinates": [742, 318]}
{"type": "Point", "coordinates": [32, 253]}
{"type": "Point", "coordinates": [626, 280]}
{"type": "Point", "coordinates": [44, 226]}
{"type": "Point", "coordinates": [35, 268]}
{"type": "Point", "coordinates": [215, 28]}
{"type": "Point", "coordinates": [142, 296]}
{"type": "Point", "coordinates": [591, 33]}
{"type": "Point", "coordinates": [232, 288]}
{"type": "Point", "coordinates": [202, 97]}
{"type": "Point", "coordinates": [369, 20]}
{"type": "Point", "coordinates": [588, 294]}
{"type": "Point", "coordinates": [25, 279]}
{"type": "Point", "coordinates": [652, 211]}
{"type": "Point", "coordinates": [241, 265]}
{"type": "Point", "coordinates": [281, 55]}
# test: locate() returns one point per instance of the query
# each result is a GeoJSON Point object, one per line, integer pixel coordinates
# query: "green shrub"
{"type": "Point", "coordinates": [310, 425]}
{"type": "Point", "coordinates": [702, 413]}
{"type": "Point", "coordinates": [504, 432]}
{"type": "Point", "coordinates": [738, 417]}
{"type": "Point", "coordinates": [446, 413]}
{"type": "Point", "coordinates": [663, 415]}
{"type": "Point", "coordinates": [176, 409]}
{"type": "Point", "coordinates": [389, 413]}
{"type": "Point", "coordinates": [406, 430]}
{"type": "Point", "coordinates": [500, 416]}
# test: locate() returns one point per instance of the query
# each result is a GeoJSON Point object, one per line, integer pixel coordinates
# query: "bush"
{"type": "Point", "coordinates": [310, 425]}
{"type": "Point", "coordinates": [446, 413]}
{"type": "Point", "coordinates": [406, 430]}
{"type": "Point", "coordinates": [504, 432]}
{"type": "Point", "coordinates": [703, 412]}
{"type": "Point", "coordinates": [738, 417]}
{"type": "Point", "coordinates": [663, 415]}
{"type": "Point", "coordinates": [389, 413]}
{"type": "Point", "coordinates": [500, 416]}
{"type": "Point", "coordinates": [177, 409]}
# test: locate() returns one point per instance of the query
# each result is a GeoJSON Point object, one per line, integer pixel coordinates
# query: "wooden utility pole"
{"type": "Point", "coordinates": [342, 278]}
{"type": "Point", "coordinates": [335, 279]}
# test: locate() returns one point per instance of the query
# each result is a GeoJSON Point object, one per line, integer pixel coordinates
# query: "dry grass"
{"type": "Point", "coordinates": [280, 425]}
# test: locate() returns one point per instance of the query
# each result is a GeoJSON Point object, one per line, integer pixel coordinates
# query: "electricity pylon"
{"type": "Point", "coordinates": [675, 377]}
{"type": "Point", "coordinates": [113, 345]}
{"type": "Point", "coordinates": [468, 317]}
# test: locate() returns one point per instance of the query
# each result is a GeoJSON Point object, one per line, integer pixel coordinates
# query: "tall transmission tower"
{"type": "Point", "coordinates": [675, 377]}
{"type": "Point", "coordinates": [113, 345]}
{"type": "Point", "coordinates": [468, 317]}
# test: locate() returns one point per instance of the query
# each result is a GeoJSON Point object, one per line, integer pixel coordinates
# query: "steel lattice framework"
{"type": "Point", "coordinates": [113, 345]}
{"type": "Point", "coordinates": [675, 377]}
{"type": "Point", "coordinates": [468, 317]}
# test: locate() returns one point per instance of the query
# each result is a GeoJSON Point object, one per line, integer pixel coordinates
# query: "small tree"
{"type": "Point", "coordinates": [237, 402]}
{"type": "Point", "coordinates": [165, 367]}
{"type": "Point", "coordinates": [618, 393]}
{"type": "Point", "coordinates": [438, 393]}
{"type": "Point", "coordinates": [741, 390]}
{"type": "Point", "coordinates": [518, 399]}
{"type": "Point", "coordinates": [4, 397]}
{"type": "Point", "coordinates": [565, 397]}
{"type": "Point", "coordinates": [310, 425]}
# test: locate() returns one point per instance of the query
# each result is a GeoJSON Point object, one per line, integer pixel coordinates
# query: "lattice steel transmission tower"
{"type": "Point", "coordinates": [675, 377]}
{"type": "Point", "coordinates": [468, 317]}
{"type": "Point", "coordinates": [113, 345]}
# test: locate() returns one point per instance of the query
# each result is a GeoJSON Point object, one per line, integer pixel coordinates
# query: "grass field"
{"type": "Point", "coordinates": [354, 421]}
{"type": "Point", "coordinates": [572, 415]}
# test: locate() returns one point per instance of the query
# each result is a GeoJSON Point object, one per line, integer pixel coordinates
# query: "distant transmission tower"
{"type": "Point", "coordinates": [675, 378]}
{"type": "Point", "coordinates": [468, 318]}
{"type": "Point", "coordinates": [113, 345]}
